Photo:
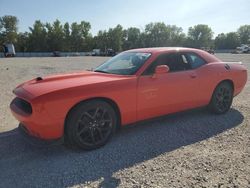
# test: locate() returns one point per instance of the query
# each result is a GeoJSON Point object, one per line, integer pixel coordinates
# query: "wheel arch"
{"type": "Point", "coordinates": [227, 81]}
{"type": "Point", "coordinates": [212, 106]}
{"type": "Point", "coordinates": [222, 81]}
{"type": "Point", "coordinates": [108, 100]}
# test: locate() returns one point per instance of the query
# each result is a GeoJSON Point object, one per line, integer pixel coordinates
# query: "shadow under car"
{"type": "Point", "coordinates": [25, 165]}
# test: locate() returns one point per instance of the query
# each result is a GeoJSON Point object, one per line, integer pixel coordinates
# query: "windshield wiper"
{"type": "Point", "coordinates": [101, 71]}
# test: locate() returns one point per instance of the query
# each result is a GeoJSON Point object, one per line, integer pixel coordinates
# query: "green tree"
{"type": "Point", "coordinates": [37, 41]}
{"type": "Point", "coordinates": [101, 41]}
{"type": "Point", "coordinates": [232, 40]}
{"type": "Point", "coordinates": [160, 34]}
{"type": "Point", "coordinates": [55, 36]}
{"type": "Point", "coordinates": [176, 37]}
{"type": "Point", "coordinates": [199, 36]}
{"type": "Point", "coordinates": [156, 34]}
{"type": "Point", "coordinates": [227, 41]}
{"type": "Point", "coordinates": [142, 40]}
{"type": "Point", "coordinates": [244, 33]}
{"type": "Point", "coordinates": [115, 37]}
{"type": "Point", "coordinates": [67, 45]}
{"type": "Point", "coordinates": [220, 41]}
{"type": "Point", "coordinates": [22, 42]}
{"type": "Point", "coordinates": [79, 35]}
{"type": "Point", "coordinates": [131, 38]}
{"type": "Point", "coordinates": [8, 29]}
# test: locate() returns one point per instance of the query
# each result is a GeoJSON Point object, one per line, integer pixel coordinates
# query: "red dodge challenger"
{"type": "Point", "coordinates": [85, 108]}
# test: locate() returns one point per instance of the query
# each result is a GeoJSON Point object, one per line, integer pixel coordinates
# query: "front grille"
{"type": "Point", "coordinates": [22, 105]}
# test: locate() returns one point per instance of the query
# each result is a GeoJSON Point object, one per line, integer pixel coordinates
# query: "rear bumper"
{"type": "Point", "coordinates": [35, 140]}
{"type": "Point", "coordinates": [240, 81]}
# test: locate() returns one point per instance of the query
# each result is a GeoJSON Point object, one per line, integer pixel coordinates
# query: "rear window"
{"type": "Point", "coordinates": [194, 60]}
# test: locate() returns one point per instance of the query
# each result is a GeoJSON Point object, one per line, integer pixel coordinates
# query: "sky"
{"type": "Point", "coordinates": [221, 15]}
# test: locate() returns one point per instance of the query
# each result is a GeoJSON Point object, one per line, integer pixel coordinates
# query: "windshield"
{"type": "Point", "coordinates": [126, 63]}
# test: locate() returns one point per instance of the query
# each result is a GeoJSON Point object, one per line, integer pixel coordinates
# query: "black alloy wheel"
{"type": "Point", "coordinates": [91, 124]}
{"type": "Point", "coordinates": [222, 98]}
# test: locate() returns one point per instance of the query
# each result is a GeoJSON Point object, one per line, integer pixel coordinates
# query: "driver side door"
{"type": "Point", "coordinates": [169, 92]}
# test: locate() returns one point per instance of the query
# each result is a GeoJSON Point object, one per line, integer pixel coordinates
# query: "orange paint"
{"type": "Point", "coordinates": [137, 96]}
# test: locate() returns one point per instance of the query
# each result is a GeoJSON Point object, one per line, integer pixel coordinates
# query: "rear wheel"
{"type": "Point", "coordinates": [222, 98]}
{"type": "Point", "coordinates": [90, 125]}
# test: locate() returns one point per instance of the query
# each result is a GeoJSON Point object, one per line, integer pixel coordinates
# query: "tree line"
{"type": "Point", "coordinates": [76, 37]}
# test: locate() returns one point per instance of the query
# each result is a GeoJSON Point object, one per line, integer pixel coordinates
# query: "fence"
{"type": "Point", "coordinates": [67, 54]}
{"type": "Point", "coordinates": [47, 54]}
{"type": "Point", "coordinates": [225, 51]}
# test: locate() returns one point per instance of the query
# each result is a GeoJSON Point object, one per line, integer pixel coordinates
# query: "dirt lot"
{"type": "Point", "coordinates": [191, 149]}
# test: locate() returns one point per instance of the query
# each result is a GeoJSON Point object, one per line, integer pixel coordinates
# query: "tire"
{"type": "Point", "coordinates": [90, 125]}
{"type": "Point", "coordinates": [222, 98]}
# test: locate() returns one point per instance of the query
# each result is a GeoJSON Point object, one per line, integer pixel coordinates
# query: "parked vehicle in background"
{"type": "Point", "coordinates": [110, 52]}
{"type": "Point", "coordinates": [88, 53]}
{"type": "Point", "coordinates": [243, 49]}
{"type": "Point", "coordinates": [209, 50]}
{"type": "Point", "coordinates": [96, 52]}
{"type": "Point", "coordinates": [76, 54]}
{"type": "Point", "coordinates": [107, 52]}
{"type": "Point", "coordinates": [9, 50]}
{"type": "Point", "coordinates": [56, 54]}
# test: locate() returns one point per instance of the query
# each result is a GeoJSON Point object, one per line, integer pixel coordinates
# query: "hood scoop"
{"type": "Point", "coordinates": [39, 78]}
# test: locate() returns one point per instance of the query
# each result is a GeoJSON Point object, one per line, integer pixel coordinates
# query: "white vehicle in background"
{"type": "Point", "coordinates": [243, 49]}
{"type": "Point", "coordinates": [96, 52]}
{"type": "Point", "coordinates": [9, 50]}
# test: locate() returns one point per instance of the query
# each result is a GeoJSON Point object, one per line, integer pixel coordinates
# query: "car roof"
{"type": "Point", "coordinates": [162, 49]}
{"type": "Point", "coordinates": [158, 50]}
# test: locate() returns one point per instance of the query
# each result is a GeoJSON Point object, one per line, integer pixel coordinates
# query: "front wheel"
{"type": "Point", "coordinates": [222, 98]}
{"type": "Point", "coordinates": [90, 125]}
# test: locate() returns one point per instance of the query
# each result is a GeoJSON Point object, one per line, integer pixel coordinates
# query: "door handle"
{"type": "Point", "coordinates": [193, 76]}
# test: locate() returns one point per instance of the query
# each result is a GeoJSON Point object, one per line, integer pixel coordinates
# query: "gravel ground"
{"type": "Point", "coordinates": [189, 149]}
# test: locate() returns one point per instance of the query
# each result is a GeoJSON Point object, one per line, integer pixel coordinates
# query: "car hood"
{"type": "Point", "coordinates": [43, 85]}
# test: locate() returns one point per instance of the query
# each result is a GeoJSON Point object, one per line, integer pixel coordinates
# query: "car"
{"type": "Point", "coordinates": [209, 50]}
{"type": "Point", "coordinates": [242, 49]}
{"type": "Point", "coordinates": [110, 52]}
{"type": "Point", "coordinates": [87, 107]}
{"type": "Point", "coordinates": [56, 54]}
{"type": "Point", "coordinates": [9, 50]}
{"type": "Point", "coordinates": [96, 52]}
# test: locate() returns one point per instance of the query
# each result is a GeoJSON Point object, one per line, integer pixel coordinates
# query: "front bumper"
{"type": "Point", "coordinates": [39, 124]}
{"type": "Point", "coordinates": [35, 140]}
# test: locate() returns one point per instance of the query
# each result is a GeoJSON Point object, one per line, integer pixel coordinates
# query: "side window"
{"type": "Point", "coordinates": [182, 63]}
{"type": "Point", "coordinates": [174, 61]}
{"type": "Point", "coordinates": [166, 59]}
{"type": "Point", "coordinates": [194, 60]}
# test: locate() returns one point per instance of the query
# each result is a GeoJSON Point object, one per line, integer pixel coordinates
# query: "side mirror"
{"type": "Point", "coordinates": [161, 69]}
